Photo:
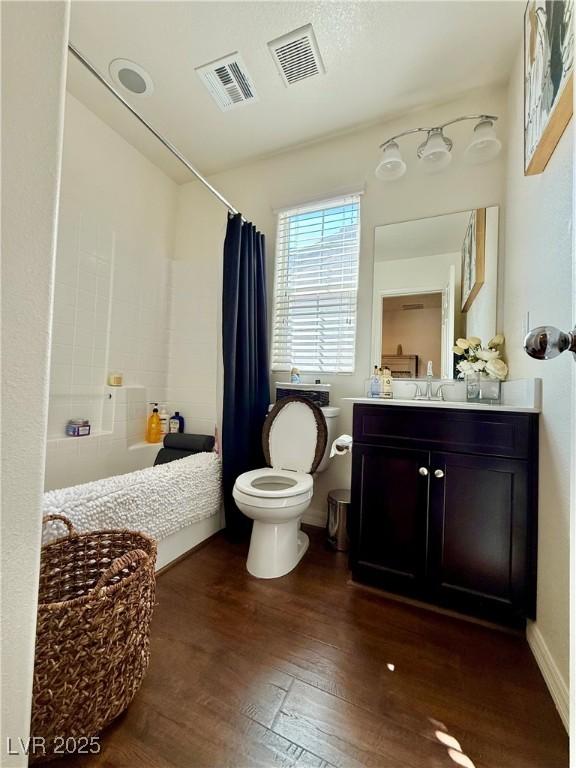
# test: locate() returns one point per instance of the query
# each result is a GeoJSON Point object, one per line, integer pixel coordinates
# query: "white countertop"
{"type": "Point", "coordinates": [444, 404]}
{"type": "Point", "coordinates": [518, 396]}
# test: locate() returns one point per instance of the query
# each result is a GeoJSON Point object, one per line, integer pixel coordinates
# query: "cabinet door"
{"type": "Point", "coordinates": [479, 560]}
{"type": "Point", "coordinates": [390, 509]}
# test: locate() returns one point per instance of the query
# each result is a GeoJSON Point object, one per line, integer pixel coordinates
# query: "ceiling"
{"type": "Point", "coordinates": [421, 237]}
{"type": "Point", "coordinates": [381, 59]}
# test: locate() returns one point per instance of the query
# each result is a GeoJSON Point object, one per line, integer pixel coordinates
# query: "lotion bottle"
{"type": "Point", "coordinates": [375, 383]}
{"type": "Point", "coordinates": [154, 430]}
{"type": "Point", "coordinates": [164, 417]}
{"type": "Point", "coordinates": [176, 423]}
{"type": "Point", "coordinates": [387, 391]}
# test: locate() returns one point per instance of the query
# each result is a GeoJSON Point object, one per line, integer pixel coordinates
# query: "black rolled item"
{"type": "Point", "coordinates": [166, 455]}
{"type": "Point", "coordinates": [180, 445]}
{"type": "Point", "coordinates": [190, 443]}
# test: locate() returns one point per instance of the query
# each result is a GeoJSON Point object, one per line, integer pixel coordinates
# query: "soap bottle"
{"type": "Point", "coordinates": [164, 417]}
{"type": "Point", "coordinates": [386, 379]}
{"type": "Point", "coordinates": [154, 430]}
{"type": "Point", "coordinates": [375, 383]}
{"type": "Point", "coordinates": [176, 423]}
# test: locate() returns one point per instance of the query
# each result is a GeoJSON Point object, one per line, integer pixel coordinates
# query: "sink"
{"type": "Point", "coordinates": [452, 391]}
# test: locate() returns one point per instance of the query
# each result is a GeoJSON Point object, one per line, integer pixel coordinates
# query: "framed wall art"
{"type": "Point", "coordinates": [473, 252]}
{"type": "Point", "coordinates": [548, 78]}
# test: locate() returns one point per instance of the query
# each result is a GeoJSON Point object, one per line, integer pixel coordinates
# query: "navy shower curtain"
{"type": "Point", "coordinates": [245, 356]}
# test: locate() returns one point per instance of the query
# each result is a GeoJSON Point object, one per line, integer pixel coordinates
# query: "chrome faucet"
{"type": "Point", "coordinates": [440, 390]}
{"type": "Point", "coordinates": [429, 377]}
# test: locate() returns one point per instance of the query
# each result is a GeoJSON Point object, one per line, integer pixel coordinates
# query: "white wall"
{"type": "Point", "coordinates": [197, 306]}
{"type": "Point", "coordinates": [419, 331]}
{"type": "Point", "coordinates": [342, 164]}
{"type": "Point", "coordinates": [537, 279]}
{"type": "Point", "coordinates": [193, 352]}
{"type": "Point", "coordinates": [112, 297]}
{"type": "Point", "coordinates": [34, 37]}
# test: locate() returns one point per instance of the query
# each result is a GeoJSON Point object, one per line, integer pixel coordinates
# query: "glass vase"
{"type": "Point", "coordinates": [482, 389]}
{"type": "Point", "coordinates": [490, 390]}
{"type": "Point", "coordinates": [472, 387]}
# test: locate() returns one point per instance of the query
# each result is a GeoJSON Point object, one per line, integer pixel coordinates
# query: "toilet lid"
{"type": "Point", "coordinates": [294, 435]}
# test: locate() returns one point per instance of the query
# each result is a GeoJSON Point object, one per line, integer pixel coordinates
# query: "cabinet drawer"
{"type": "Point", "coordinates": [482, 432]}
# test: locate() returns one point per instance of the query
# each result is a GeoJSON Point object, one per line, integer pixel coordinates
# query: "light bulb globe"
{"type": "Point", "coordinates": [485, 145]}
{"type": "Point", "coordinates": [391, 166]}
{"type": "Point", "coordinates": [434, 153]}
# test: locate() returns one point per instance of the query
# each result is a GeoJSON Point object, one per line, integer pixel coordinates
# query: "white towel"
{"type": "Point", "coordinates": [158, 500]}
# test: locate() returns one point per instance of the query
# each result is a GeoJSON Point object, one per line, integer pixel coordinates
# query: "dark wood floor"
{"type": "Point", "coordinates": [312, 672]}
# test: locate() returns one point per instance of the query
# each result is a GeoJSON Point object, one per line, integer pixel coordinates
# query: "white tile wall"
{"type": "Point", "coordinates": [75, 460]}
{"type": "Point", "coordinates": [122, 305]}
{"type": "Point", "coordinates": [111, 314]}
{"type": "Point", "coordinates": [82, 296]}
{"type": "Point", "coordinates": [120, 308]}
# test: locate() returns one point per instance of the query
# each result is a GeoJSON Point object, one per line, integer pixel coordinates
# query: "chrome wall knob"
{"type": "Point", "coordinates": [423, 471]}
{"type": "Point", "coordinates": [438, 473]}
{"type": "Point", "coordinates": [546, 342]}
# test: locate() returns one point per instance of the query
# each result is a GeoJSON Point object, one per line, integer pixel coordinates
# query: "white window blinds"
{"type": "Point", "coordinates": [315, 286]}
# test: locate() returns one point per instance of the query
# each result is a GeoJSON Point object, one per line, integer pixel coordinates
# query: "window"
{"type": "Point", "coordinates": [315, 286]}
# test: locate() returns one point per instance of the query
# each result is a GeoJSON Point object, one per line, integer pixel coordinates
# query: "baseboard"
{"type": "Point", "coordinates": [314, 517]}
{"type": "Point", "coordinates": [550, 672]}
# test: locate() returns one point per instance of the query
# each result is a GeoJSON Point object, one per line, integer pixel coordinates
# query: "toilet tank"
{"type": "Point", "coordinates": [331, 415]}
{"type": "Point", "coordinates": [317, 393]}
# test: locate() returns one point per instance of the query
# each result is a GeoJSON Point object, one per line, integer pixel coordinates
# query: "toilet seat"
{"type": "Point", "coordinates": [260, 483]}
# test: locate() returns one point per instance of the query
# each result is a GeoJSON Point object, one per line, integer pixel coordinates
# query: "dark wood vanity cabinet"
{"type": "Point", "coordinates": [444, 507]}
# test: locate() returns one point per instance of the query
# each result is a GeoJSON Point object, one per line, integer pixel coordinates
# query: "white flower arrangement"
{"type": "Point", "coordinates": [479, 359]}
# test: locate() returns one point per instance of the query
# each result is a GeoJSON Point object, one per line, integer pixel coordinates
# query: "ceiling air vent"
{"type": "Point", "coordinates": [228, 81]}
{"type": "Point", "coordinates": [296, 55]}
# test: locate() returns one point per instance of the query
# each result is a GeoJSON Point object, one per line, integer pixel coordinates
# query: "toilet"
{"type": "Point", "coordinates": [296, 438]}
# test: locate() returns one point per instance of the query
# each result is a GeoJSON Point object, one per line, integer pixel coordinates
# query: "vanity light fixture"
{"type": "Point", "coordinates": [435, 151]}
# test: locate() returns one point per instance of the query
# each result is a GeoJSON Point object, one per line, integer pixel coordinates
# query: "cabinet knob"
{"type": "Point", "coordinates": [423, 471]}
{"type": "Point", "coordinates": [438, 473]}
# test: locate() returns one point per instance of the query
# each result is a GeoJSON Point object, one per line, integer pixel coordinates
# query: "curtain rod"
{"type": "Point", "coordinates": [169, 146]}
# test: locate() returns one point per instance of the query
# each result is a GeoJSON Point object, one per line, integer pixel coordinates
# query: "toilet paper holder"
{"type": "Point", "coordinates": [341, 446]}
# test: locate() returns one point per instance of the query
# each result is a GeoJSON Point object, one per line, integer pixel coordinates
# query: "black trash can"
{"type": "Point", "coordinates": [337, 525]}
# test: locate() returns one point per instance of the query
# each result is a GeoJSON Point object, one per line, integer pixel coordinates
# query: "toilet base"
{"type": "Point", "coordinates": [275, 548]}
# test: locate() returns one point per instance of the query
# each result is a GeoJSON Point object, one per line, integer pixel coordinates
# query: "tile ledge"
{"type": "Point", "coordinates": [67, 438]}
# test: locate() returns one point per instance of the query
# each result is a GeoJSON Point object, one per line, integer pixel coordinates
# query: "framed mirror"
{"type": "Point", "coordinates": [435, 280]}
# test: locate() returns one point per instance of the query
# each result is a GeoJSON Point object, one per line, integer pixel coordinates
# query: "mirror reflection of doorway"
{"type": "Point", "coordinates": [412, 333]}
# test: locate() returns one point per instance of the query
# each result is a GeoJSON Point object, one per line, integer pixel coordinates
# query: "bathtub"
{"type": "Point", "coordinates": [179, 504]}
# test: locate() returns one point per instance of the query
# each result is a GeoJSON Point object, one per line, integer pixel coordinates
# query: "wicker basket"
{"type": "Point", "coordinates": [96, 598]}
